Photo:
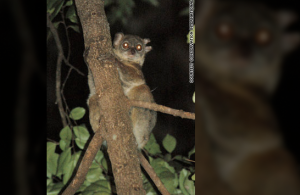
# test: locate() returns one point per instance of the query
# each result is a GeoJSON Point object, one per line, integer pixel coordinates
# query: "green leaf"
{"type": "Point", "coordinates": [169, 180]}
{"type": "Point", "coordinates": [50, 11]}
{"type": "Point", "coordinates": [108, 2]}
{"type": "Point", "coordinates": [102, 193]}
{"type": "Point", "coordinates": [193, 177]}
{"type": "Point", "coordinates": [104, 164]}
{"type": "Point", "coordinates": [50, 148]}
{"type": "Point", "coordinates": [69, 3]}
{"type": "Point", "coordinates": [167, 157]}
{"type": "Point", "coordinates": [179, 157]}
{"type": "Point", "coordinates": [153, 2]}
{"type": "Point", "coordinates": [49, 187]}
{"type": "Point", "coordinates": [101, 187]}
{"type": "Point", "coordinates": [75, 28]}
{"type": "Point", "coordinates": [57, 5]}
{"type": "Point", "coordinates": [186, 186]}
{"type": "Point", "coordinates": [151, 192]}
{"type": "Point", "coordinates": [94, 174]}
{"type": "Point", "coordinates": [66, 133]}
{"type": "Point", "coordinates": [190, 186]}
{"type": "Point", "coordinates": [159, 164]}
{"type": "Point", "coordinates": [64, 161]}
{"type": "Point", "coordinates": [105, 185]}
{"type": "Point", "coordinates": [152, 146]}
{"type": "Point", "coordinates": [56, 188]}
{"type": "Point", "coordinates": [76, 158]}
{"type": "Point", "coordinates": [81, 132]}
{"type": "Point", "coordinates": [191, 152]}
{"type": "Point", "coordinates": [177, 191]}
{"type": "Point", "coordinates": [51, 5]}
{"type": "Point", "coordinates": [56, 24]}
{"type": "Point", "coordinates": [71, 15]}
{"type": "Point", "coordinates": [169, 143]}
{"type": "Point", "coordinates": [83, 186]}
{"type": "Point", "coordinates": [166, 173]}
{"type": "Point", "coordinates": [52, 159]}
{"type": "Point", "coordinates": [49, 182]}
{"type": "Point", "coordinates": [80, 143]}
{"type": "Point", "coordinates": [99, 156]}
{"type": "Point", "coordinates": [70, 169]}
{"type": "Point", "coordinates": [184, 12]}
{"type": "Point", "coordinates": [77, 113]}
{"type": "Point", "coordinates": [64, 144]}
{"type": "Point", "coordinates": [68, 172]}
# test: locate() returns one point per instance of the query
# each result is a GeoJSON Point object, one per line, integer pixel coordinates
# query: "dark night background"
{"type": "Point", "coordinates": [166, 71]}
{"type": "Point", "coordinates": [286, 99]}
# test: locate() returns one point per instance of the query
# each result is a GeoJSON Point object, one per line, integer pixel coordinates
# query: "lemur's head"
{"type": "Point", "coordinates": [131, 48]}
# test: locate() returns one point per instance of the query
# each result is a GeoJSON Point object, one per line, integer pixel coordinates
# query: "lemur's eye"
{"type": "Point", "coordinates": [224, 31]}
{"type": "Point", "coordinates": [262, 37]}
{"type": "Point", "coordinates": [138, 47]}
{"type": "Point", "coordinates": [125, 45]}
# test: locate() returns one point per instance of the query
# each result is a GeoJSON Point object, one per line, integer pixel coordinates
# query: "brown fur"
{"type": "Point", "coordinates": [134, 85]}
{"type": "Point", "coordinates": [234, 79]}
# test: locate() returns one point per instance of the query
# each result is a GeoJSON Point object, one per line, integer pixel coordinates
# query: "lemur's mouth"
{"type": "Point", "coordinates": [130, 55]}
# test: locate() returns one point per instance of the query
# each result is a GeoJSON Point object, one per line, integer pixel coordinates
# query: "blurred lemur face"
{"type": "Point", "coordinates": [243, 43]}
{"type": "Point", "coordinates": [131, 48]}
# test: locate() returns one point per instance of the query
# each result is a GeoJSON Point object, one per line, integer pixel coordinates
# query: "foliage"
{"type": "Point", "coordinates": [186, 11]}
{"type": "Point", "coordinates": [176, 173]}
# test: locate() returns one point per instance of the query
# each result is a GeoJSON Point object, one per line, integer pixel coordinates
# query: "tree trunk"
{"type": "Point", "coordinates": [113, 105]}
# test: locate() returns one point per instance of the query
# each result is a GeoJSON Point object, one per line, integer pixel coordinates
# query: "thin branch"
{"type": "Point", "coordinates": [67, 34]}
{"type": "Point", "coordinates": [58, 70]}
{"type": "Point", "coordinates": [71, 66]}
{"type": "Point", "coordinates": [60, 58]}
{"type": "Point", "coordinates": [163, 109]}
{"type": "Point", "coordinates": [63, 97]}
{"type": "Point", "coordinates": [189, 160]}
{"type": "Point", "coordinates": [51, 140]}
{"type": "Point", "coordinates": [148, 168]}
{"type": "Point", "coordinates": [85, 164]}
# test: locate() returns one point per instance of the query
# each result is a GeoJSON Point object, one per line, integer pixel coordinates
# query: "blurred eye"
{"type": "Point", "coordinates": [224, 31]}
{"type": "Point", "coordinates": [138, 47]}
{"type": "Point", "coordinates": [262, 37]}
{"type": "Point", "coordinates": [125, 45]}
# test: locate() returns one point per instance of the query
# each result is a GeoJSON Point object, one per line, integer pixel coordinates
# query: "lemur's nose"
{"type": "Point", "coordinates": [132, 51]}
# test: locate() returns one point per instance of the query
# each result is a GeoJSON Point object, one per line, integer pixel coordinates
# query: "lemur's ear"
{"type": "Point", "coordinates": [148, 48]}
{"type": "Point", "coordinates": [118, 38]}
{"type": "Point", "coordinates": [289, 40]}
{"type": "Point", "coordinates": [146, 41]}
{"type": "Point", "coordinates": [285, 18]}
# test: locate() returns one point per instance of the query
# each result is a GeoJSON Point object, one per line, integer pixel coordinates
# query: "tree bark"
{"type": "Point", "coordinates": [112, 103]}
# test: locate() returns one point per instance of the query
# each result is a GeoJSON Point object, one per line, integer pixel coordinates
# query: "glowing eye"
{"type": "Point", "coordinates": [224, 31]}
{"type": "Point", "coordinates": [125, 45]}
{"type": "Point", "coordinates": [262, 37]}
{"type": "Point", "coordinates": [138, 47]}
